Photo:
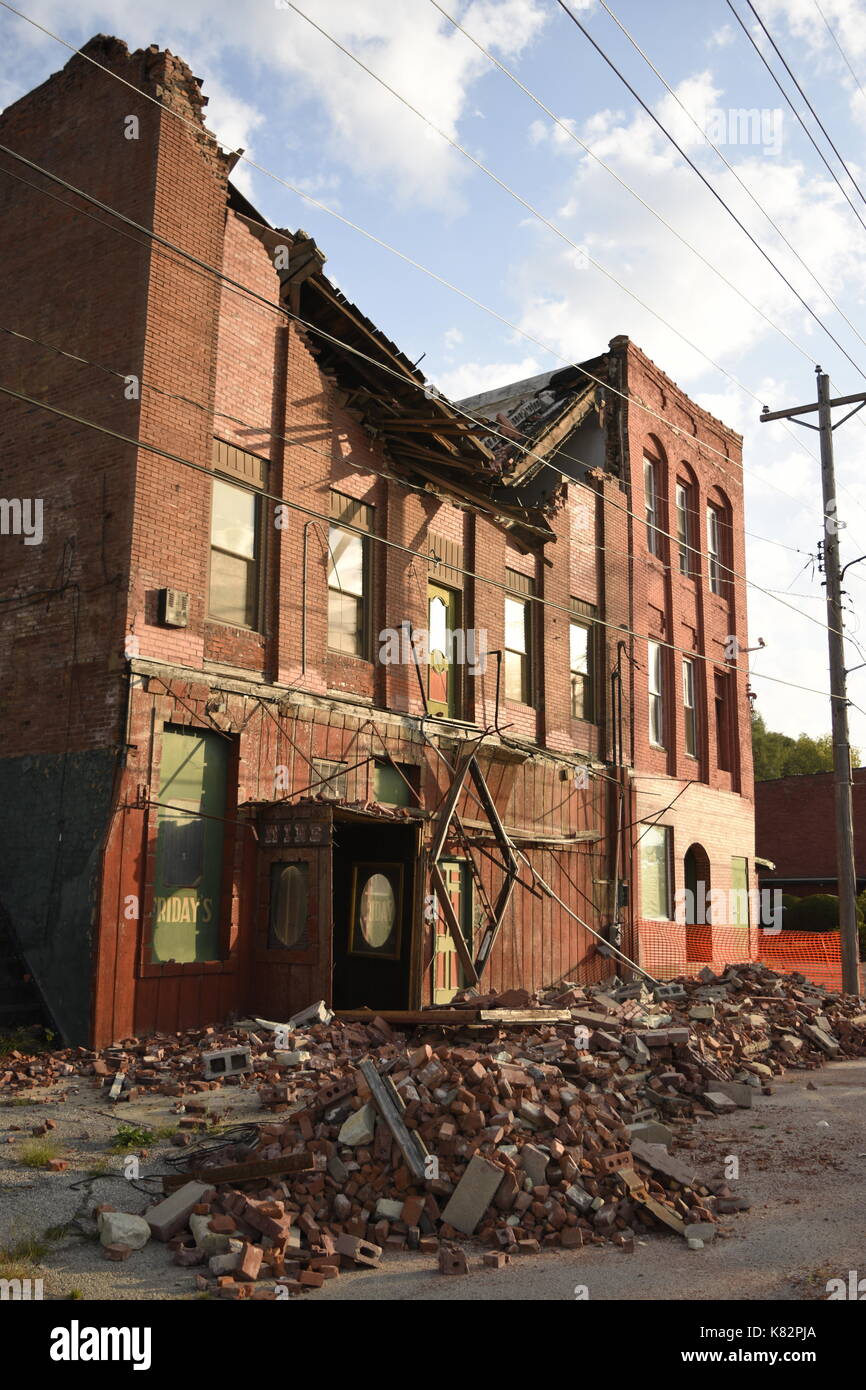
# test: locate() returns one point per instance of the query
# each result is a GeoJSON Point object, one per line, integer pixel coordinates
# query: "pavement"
{"type": "Point", "coordinates": [802, 1161]}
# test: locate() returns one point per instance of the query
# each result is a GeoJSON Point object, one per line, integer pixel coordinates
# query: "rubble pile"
{"type": "Point", "coordinates": [525, 1123]}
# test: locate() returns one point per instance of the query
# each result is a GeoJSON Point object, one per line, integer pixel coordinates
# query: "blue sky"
{"type": "Point", "coordinates": [305, 111]}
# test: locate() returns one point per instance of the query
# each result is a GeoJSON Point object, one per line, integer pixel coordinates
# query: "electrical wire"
{"type": "Point", "coordinates": [464, 294]}
{"type": "Point", "coordinates": [546, 221]}
{"type": "Point", "coordinates": [815, 115]}
{"type": "Point", "coordinates": [405, 379]}
{"type": "Point", "coordinates": [828, 166]}
{"type": "Point", "coordinates": [326, 454]}
{"type": "Point", "coordinates": [705, 181]}
{"type": "Point", "coordinates": [571, 135]}
{"type": "Point", "coordinates": [307, 511]}
{"type": "Point", "coordinates": [841, 49]}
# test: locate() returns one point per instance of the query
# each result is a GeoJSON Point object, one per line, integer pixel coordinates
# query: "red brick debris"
{"type": "Point", "coordinates": [541, 1134]}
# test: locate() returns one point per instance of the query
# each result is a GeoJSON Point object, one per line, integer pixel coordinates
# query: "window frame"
{"type": "Point", "coordinates": [690, 706]}
{"type": "Point", "coordinates": [652, 494]}
{"type": "Point", "coordinates": [656, 694]}
{"type": "Point", "coordinates": [353, 518]}
{"type": "Point", "coordinates": [715, 550]}
{"type": "Point", "coordinates": [254, 563]}
{"type": "Point", "coordinates": [723, 721]}
{"type": "Point", "coordinates": [684, 510]}
{"type": "Point", "coordinates": [645, 842]}
{"type": "Point", "coordinates": [587, 626]}
{"type": "Point", "coordinates": [520, 590]}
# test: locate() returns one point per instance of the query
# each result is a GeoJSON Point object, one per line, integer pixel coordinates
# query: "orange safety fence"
{"type": "Point", "coordinates": [668, 949]}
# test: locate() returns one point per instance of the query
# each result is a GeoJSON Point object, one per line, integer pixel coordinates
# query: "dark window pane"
{"type": "Point", "coordinates": [289, 900]}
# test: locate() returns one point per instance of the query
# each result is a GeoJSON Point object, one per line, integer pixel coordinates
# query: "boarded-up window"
{"type": "Point", "coordinates": [189, 846]}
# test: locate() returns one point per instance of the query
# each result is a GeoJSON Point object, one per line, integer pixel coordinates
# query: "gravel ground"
{"type": "Point", "coordinates": [802, 1157]}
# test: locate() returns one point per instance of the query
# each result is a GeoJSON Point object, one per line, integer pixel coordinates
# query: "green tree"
{"type": "Point", "coordinates": [779, 755]}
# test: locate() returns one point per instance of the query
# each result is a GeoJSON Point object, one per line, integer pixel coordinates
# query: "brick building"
{"type": "Point", "coordinates": [795, 832]}
{"type": "Point", "coordinates": [226, 783]}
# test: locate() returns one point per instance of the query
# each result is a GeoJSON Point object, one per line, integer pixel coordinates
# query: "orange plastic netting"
{"type": "Point", "coordinates": [668, 949]}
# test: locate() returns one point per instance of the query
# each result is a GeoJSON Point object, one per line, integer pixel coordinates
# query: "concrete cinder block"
{"type": "Point", "coordinates": [172, 1214]}
{"type": "Point", "coordinates": [472, 1195]}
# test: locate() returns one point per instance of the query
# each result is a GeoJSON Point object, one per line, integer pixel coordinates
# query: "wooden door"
{"type": "Point", "coordinates": [447, 971]}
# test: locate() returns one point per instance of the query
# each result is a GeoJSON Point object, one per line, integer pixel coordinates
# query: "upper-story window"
{"type": "Point", "coordinates": [234, 594]}
{"type": "Point", "coordinates": [518, 637]}
{"type": "Point", "coordinates": [724, 743]}
{"type": "Point", "coordinates": [349, 577]}
{"type": "Point", "coordinates": [685, 542]}
{"type": "Point", "coordinates": [651, 488]}
{"type": "Point", "coordinates": [690, 712]}
{"type": "Point", "coordinates": [656, 691]}
{"type": "Point", "coordinates": [719, 549]}
{"type": "Point", "coordinates": [581, 637]}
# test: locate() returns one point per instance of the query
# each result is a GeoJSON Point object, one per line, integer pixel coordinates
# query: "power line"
{"type": "Point", "coordinates": [831, 171]}
{"type": "Point", "coordinates": [464, 294]}
{"type": "Point", "coordinates": [705, 181]}
{"type": "Point", "coordinates": [551, 226]}
{"type": "Point", "coordinates": [567, 130]}
{"type": "Point", "coordinates": [281, 310]}
{"type": "Point", "coordinates": [382, 540]}
{"type": "Point", "coordinates": [841, 49]}
{"type": "Point", "coordinates": [403, 378]}
{"type": "Point", "coordinates": [815, 115]}
{"type": "Point", "coordinates": [731, 170]}
{"type": "Point", "coordinates": [269, 433]}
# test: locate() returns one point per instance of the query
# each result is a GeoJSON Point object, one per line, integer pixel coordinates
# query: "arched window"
{"type": "Point", "coordinates": [696, 877]}
{"type": "Point", "coordinates": [720, 546]}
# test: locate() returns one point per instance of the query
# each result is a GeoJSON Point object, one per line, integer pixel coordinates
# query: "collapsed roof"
{"type": "Point", "coordinates": [473, 452]}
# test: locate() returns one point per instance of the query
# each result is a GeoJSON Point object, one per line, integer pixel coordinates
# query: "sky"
{"type": "Point", "coordinates": [559, 255]}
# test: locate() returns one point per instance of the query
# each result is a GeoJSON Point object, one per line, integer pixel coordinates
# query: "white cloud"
{"type": "Point", "coordinates": [720, 38]}
{"type": "Point", "coordinates": [470, 378]}
{"type": "Point", "coordinates": [365, 129]}
{"type": "Point", "coordinates": [452, 338]}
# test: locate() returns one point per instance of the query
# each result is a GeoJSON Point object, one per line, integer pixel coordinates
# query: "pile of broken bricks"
{"type": "Point", "coordinates": [548, 1125]}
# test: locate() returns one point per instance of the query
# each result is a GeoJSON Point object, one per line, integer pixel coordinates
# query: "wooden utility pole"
{"type": "Point", "coordinates": [838, 676]}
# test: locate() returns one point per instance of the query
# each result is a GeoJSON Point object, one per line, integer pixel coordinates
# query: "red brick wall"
{"type": "Point", "coordinates": [795, 826]}
{"type": "Point", "coordinates": [682, 611]}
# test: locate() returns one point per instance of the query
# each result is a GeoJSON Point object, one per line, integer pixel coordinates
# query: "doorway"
{"type": "Point", "coordinates": [374, 896]}
{"type": "Point", "coordinates": [448, 975]}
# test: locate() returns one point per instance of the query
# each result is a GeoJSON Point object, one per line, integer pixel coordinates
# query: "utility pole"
{"type": "Point", "coordinates": [838, 675]}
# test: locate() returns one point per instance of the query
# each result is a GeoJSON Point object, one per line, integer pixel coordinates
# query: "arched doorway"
{"type": "Point", "coordinates": [696, 877]}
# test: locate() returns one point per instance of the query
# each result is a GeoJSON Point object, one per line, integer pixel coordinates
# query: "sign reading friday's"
{"type": "Point", "coordinates": [189, 847]}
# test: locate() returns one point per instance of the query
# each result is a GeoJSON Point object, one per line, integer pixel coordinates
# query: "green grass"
{"type": "Point", "coordinates": [75, 1293]}
{"type": "Point", "coordinates": [39, 1153]}
{"type": "Point", "coordinates": [18, 1100]}
{"type": "Point", "coordinates": [139, 1137]}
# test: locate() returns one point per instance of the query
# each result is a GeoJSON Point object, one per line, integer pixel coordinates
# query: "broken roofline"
{"type": "Point", "coordinates": [425, 436]}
